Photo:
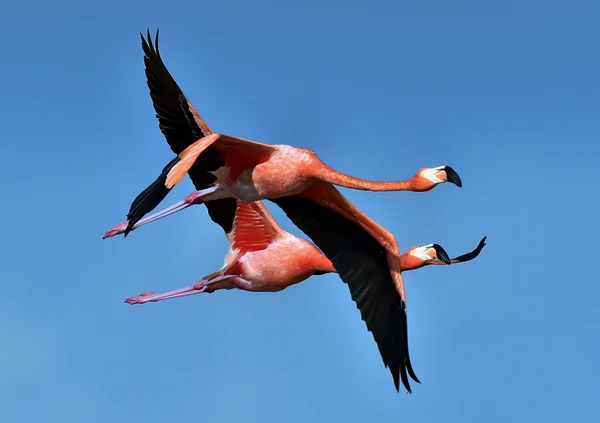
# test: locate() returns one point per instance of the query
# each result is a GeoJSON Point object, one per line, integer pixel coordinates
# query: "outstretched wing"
{"type": "Point", "coordinates": [185, 131]}
{"type": "Point", "coordinates": [179, 122]}
{"type": "Point", "coordinates": [181, 125]}
{"type": "Point", "coordinates": [362, 263]}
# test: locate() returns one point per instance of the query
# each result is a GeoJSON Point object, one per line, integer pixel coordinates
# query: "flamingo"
{"type": "Point", "coordinates": [265, 258]}
{"type": "Point", "coordinates": [223, 168]}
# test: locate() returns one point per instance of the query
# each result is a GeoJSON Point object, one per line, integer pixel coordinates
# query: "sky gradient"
{"type": "Point", "coordinates": [507, 94]}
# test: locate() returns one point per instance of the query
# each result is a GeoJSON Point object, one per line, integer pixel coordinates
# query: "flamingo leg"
{"type": "Point", "coordinates": [197, 288]}
{"type": "Point", "coordinates": [197, 197]}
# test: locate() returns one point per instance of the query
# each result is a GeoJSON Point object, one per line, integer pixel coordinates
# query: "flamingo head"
{"type": "Point", "coordinates": [417, 257]}
{"type": "Point", "coordinates": [427, 178]}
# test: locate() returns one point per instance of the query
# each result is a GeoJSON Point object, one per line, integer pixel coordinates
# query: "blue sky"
{"type": "Point", "coordinates": [507, 94]}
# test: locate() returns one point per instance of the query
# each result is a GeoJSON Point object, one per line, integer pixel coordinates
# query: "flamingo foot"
{"type": "Point", "coordinates": [115, 230]}
{"type": "Point", "coordinates": [197, 288]}
{"type": "Point", "coordinates": [140, 299]}
{"type": "Point", "coordinates": [154, 297]}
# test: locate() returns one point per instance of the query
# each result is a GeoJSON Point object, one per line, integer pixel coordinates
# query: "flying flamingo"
{"type": "Point", "coordinates": [265, 258]}
{"type": "Point", "coordinates": [223, 166]}
{"type": "Point", "coordinates": [364, 254]}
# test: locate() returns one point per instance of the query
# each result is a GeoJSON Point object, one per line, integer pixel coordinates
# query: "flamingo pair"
{"type": "Point", "coordinates": [233, 175]}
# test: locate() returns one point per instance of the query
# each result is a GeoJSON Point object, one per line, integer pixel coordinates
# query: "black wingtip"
{"type": "Point", "coordinates": [404, 378]}
{"type": "Point", "coordinates": [480, 246]}
{"type": "Point", "coordinates": [441, 253]}
{"type": "Point", "coordinates": [149, 198]}
{"type": "Point", "coordinates": [410, 370]}
{"type": "Point", "coordinates": [401, 375]}
{"type": "Point", "coordinates": [473, 254]}
{"type": "Point", "coordinates": [452, 176]}
{"type": "Point", "coordinates": [156, 42]}
{"type": "Point", "coordinates": [147, 44]}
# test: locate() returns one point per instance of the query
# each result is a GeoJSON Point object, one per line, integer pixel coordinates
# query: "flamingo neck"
{"type": "Point", "coordinates": [341, 179]}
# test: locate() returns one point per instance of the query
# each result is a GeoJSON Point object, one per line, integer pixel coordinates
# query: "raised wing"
{"type": "Point", "coordinates": [254, 228]}
{"type": "Point", "coordinates": [364, 265]}
{"type": "Point", "coordinates": [181, 125]}
{"type": "Point", "coordinates": [179, 122]}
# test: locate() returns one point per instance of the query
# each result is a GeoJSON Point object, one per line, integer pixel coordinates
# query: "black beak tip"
{"type": "Point", "coordinates": [441, 253]}
{"type": "Point", "coordinates": [453, 176]}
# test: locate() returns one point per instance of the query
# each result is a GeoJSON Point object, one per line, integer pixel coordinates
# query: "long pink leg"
{"type": "Point", "coordinates": [197, 197]}
{"type": "Point", "coordinates": [197, 288]}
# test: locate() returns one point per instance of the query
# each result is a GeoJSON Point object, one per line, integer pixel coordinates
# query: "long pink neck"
{"type": "Point", "coordinates": [341, 179]}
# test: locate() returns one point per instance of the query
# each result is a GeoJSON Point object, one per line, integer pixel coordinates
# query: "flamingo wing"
{"type": "Point", "coordinates": [181, 125]}
{"type": "Point", "coordinates": [472, 254]}
{"type": "Point", "coordinates": [237, 153]}
{"type": "Point", "coordinates": [362, 263]}
{"type": "Point", "coordinates": [178, 120]}
{"type": "Point", "coordinates": [254, 228]}
{"type": "Point", "coordinates": [187, 134]}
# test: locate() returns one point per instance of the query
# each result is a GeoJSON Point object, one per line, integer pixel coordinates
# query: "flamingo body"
{"type": "Point", "coordinates": [262, 258]}
{"type": "Point", "coordinates": [271, 258]}
{"type": "Point", "coordinates": [286, 262]}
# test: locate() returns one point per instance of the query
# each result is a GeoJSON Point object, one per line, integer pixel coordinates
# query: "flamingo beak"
{"type": "Point", "coordinates": [441, 253]}
{"type": "Point", "coordinates": [452, 176]}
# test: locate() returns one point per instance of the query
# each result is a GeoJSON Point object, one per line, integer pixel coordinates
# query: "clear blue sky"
{"type": "Point", "coordinates": [508, 94]}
